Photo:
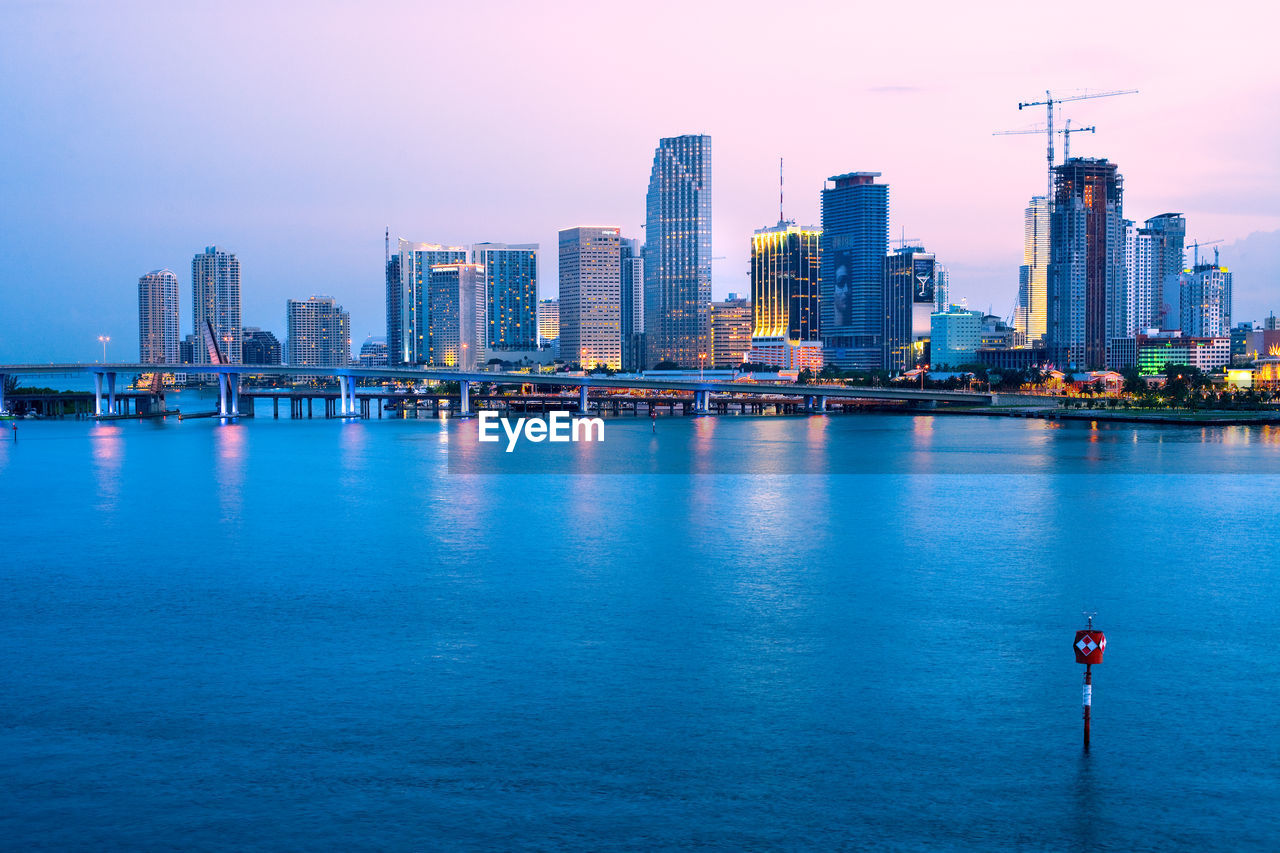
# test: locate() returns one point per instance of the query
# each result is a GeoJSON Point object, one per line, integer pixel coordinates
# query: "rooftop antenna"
{"type": "Point", "coordinates": [388, 242]}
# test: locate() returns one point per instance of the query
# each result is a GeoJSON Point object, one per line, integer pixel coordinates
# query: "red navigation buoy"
{"type": "Point", "coordinates": [1090, 644]}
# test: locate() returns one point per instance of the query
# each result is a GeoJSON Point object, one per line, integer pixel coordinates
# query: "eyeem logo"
{"type": "Point", "coordinates": [559, 426]}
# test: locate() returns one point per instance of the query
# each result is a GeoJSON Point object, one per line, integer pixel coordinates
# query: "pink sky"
{"type": "Point", "coordinates": [292, 133]}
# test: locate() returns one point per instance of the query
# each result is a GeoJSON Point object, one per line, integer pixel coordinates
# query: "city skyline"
{"type": "Point", "coordinates": [120, 194]}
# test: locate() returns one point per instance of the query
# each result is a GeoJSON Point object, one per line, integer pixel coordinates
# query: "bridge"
{"type": "Point", "coordinates": [814, 396]}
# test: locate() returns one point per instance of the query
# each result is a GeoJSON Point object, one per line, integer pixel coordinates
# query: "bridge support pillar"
{"type": "Point", "coordinates": [342, 394]}
{"type": "Point", "coordinates": [582, 399]}
{"type": "Point", "coordinates": [111, 394]}
{"type": "Point", "coordinates": [464, 403]}
{"type": "Point", "coordinates": [97, 395]}
{"type": "Point", "coordinates": [3, 378]}
{"type": "Point", "coordinates": [222, 395]}
{"type": "Point", "coordinates": [700, 399]}
{"type": "Point", "coordinates": [351, 394]}
{"type": "Point", "coordinates": [233, 386]}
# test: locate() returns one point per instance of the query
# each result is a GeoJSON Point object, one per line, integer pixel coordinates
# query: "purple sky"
{"type": "Point", "coordinates": [137, 133]}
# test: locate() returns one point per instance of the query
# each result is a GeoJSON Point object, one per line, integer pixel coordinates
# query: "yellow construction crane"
{"type": "Point", "coordinates": [1049, 101]}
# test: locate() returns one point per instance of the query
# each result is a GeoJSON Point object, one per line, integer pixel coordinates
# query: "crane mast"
{"type": "Point", "coordinates": [1049, 102]}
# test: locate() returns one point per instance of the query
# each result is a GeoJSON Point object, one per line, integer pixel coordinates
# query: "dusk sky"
{"type": "Point", "coordinates": [135, 134]}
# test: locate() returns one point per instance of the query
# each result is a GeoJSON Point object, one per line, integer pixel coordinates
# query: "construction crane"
{"type": "Point", "coordinates": [1195, 248]}
{"type": "Point", "coordinates": [1066, 135]}
{"type": "Point", "coordinates": [1049, 101]}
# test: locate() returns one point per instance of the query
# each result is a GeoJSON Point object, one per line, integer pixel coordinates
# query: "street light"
{"type": "Point", "coordinates": [702, 362]}
{"type": "Point", "coordinates": [103, 339]}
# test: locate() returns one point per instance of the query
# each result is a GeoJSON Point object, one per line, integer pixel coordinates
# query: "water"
{"type": "Point", "coordinates": [330, 635]}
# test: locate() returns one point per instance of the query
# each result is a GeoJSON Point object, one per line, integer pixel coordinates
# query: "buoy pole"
{"type": "Point", "coordinates": [1088, 700]}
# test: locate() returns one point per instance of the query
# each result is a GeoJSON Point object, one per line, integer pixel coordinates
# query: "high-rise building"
{"type": "Point", "coordinates": [855, 240]}
{"type": "Point", "coordinates": [259, 346]}
{"type": "Point", "coordinates": [455, 337]}
{"type": "Point", "coordinates": [1088, 302]}
{"type": "Point", "coordinates": [910, 297]}
{"type": "Point", "coordinates": [955, 337]}
{"type": "Point", "coordinates": [1204, 302]}
{"type": "Point", "coordinates": [408, 287]}
{"type": "Point", "coordinates": [591, 296]}
{"type": "Point", "coordinates": [1031, 318]}
{"type": "Point", "coordinates": [731, 338]}
{"type": "Point", "coordinates": [548, 321]}
{"type": "Point", "coordinates": [397, 341]}
{"type": "Point", "coordinates": [319, 332]}
{"type": "Point", "coordinates": [677, 252]}
{"type": "Point", "coordinates": [215, 298]}
{"type": "Point", "coordinates": [511, 294]}
{"type": "Point", "coordinates": [373, 352]}
{"type": "Point", "coordinates": [1153, 265]}
{"type": "Point", "coordinates": [785, 272]}
{"type": "Point", "coordinates": [632, 314]}
{"type": "Point", "coordinates": [158, 318]}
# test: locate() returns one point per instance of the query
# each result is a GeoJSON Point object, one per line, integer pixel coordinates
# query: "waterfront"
{"type": "Point", "coordinates": [348, 635]}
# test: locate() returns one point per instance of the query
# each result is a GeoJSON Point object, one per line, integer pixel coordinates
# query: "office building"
{"type": "Point", "coordinates": [591, 296]}
{"type": "Point", "coordinates": [1032, 314]}
{"type": "Point", "coordinates": [408, 298]}
{"type": "Point", "coordinates": [1160, 349]}
{"type": "Point", "coordinates": [259, 346]}
{"type": "Point", "coordinates": [1088, 301]}
{"type": "Point", "coordinates": [910, 280]}
{"type": "Point", "coordinates": [548, 321]}
{"type": "Point", "coordinates": [954, 338]}
{"type": "Point", "coordinates": [785, 272]}
{"type": "Point", "coordinates": [1153, 265]}
{"type": "Point", "coordinates": [632, 313]}
{"type": "Point", "coordinates": [215, 299]}
{"type": "Point", "coordinates": [510, 293]}
{"type": "Point", "coordinates": [158, 318]}
{"type": "Point", "coordinates": [855, 240]}
{"type": "Point", "coordinates": [677, 252]}
{"type": "Point", "coordinates": [373, 352]}
{"type": "Point", "coordinates": [455, 335]}
{"type": "Point", "coordinates": [319, 332]}
{"type": "Point", "coordinates": [731, 336]}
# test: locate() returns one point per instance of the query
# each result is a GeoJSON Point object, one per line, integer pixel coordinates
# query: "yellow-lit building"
{"type": "Point", "coordinates": [786, 263]}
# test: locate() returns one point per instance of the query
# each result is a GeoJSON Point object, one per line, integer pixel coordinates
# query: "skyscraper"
{"type": "Point", "coordinates": [591, 296]}
{"type": "Point", "coordinates": [158, 318]}
{"type": "Point", "coordinates": [632, 314]}
{"type": "Point", "coordinates": [855, 239]}
{"type": "Point", "coordinates": [731, 325]}
{"type": "Point", "coordinates": [455, 337]}
{"type": "Point", "coordinates": [1153, 265]}
{"type": "Point", "coordinates": [785, 279]}
{"type": "Point", "coordinates": [510, 316]}
{"type": "Point", "coordinates": [1204, 303]}
{"type": "Point", "coordinates": [677, 252]}
{"type": "Point", "coordinates": [1032, 316]}
{"type": "Point", "coordinates": [319, 332]}
{"type": "Point", "coordinates": [260, 347]}
{"type": "Point", "coordinates": [215, 298]}
{"type": "Point", "coordinates": [1088, 304]}
{"type": "Point", "coordinates": [408, 272]}
{"type": "Point", "coordinates": [910, 284]}
{"type": "Point", "coordinates": [548, 321]}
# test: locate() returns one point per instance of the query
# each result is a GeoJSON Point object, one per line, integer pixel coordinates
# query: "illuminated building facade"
{"type": "Point", "coordinates": [730, 332]}
{"type": "Point", "coordinates": [632, 307]}
{"type": "Point", "coordinates": [910, 279]}
{"type": "Point", "coordinates": [1088, 302]}
{"type": "Point", "coordinates": [455, 336]}
{"type": "Point", "coordinates": [954, 338]}
{"type": "Point", "coordinates": [215, 298]}
{"type": "Point", "coordinates": [548, 321]}
{"type": "Point", "coordinates": [319, 332]}
{"type": "Point", "coordinates": [158, 318]}
{"type": "Point", "coordinates": [408, 298]}
{"type": "Point", "coordinates": [1204, 301]}
{"type": "Point", "coordinates": [1032, 315]}
{"type": "Point", "coordinates": [1165, 348]}
{"type": "Point", "coordinates": [855, 239]}
{"type": "Point", "coordinates": [591, 296]}
{"type": "Point", "coordinates": [786, 268]}
{"type": "Point", "coordinates": [677, 252]}
{"type": "Point", "coordinates": [510, 317]}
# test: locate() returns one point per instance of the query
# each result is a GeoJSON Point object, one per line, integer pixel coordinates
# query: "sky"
{"type": "Point", "coordinates": [136, 134]}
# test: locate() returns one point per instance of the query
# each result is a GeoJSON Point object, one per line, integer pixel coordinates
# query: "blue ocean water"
{"type": "Point", "coordinates": [335, 635]}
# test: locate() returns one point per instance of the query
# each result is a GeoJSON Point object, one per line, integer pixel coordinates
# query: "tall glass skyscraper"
{"type": "Point", "coordinates": [591, 296]}
{"type": "Point", "coordinates": [408, 287]}
{"type": "Point", "coordinates": [632, 273]}
{"type": "Point", "coordinates": [1088, 305]}
{"type": "Point", "coordinates": [677, 252]}
{"type": "Point", "coordinates": [785, 273]}
{"type": "Point", "coordinates": [1032, 315]}
{"type": "Point", "coordinates": [855, 240]}
{"type": "Point", "coordinates": [397, 351]}
{"type": "Point", "coordinates": [455, 335]}
{"type": "Point", "coordinates": [158, 318]}
{"type": "Point", "coordinates": [319, 332]}
{"type": "Point", "coordinates": [910, 294]}
{"type": "Point", "coordinates": [510, 316]}
{"type": "Point", "coordinates": [215, 298]}
{"type": "Point", "coordinates": [1153, 266]}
